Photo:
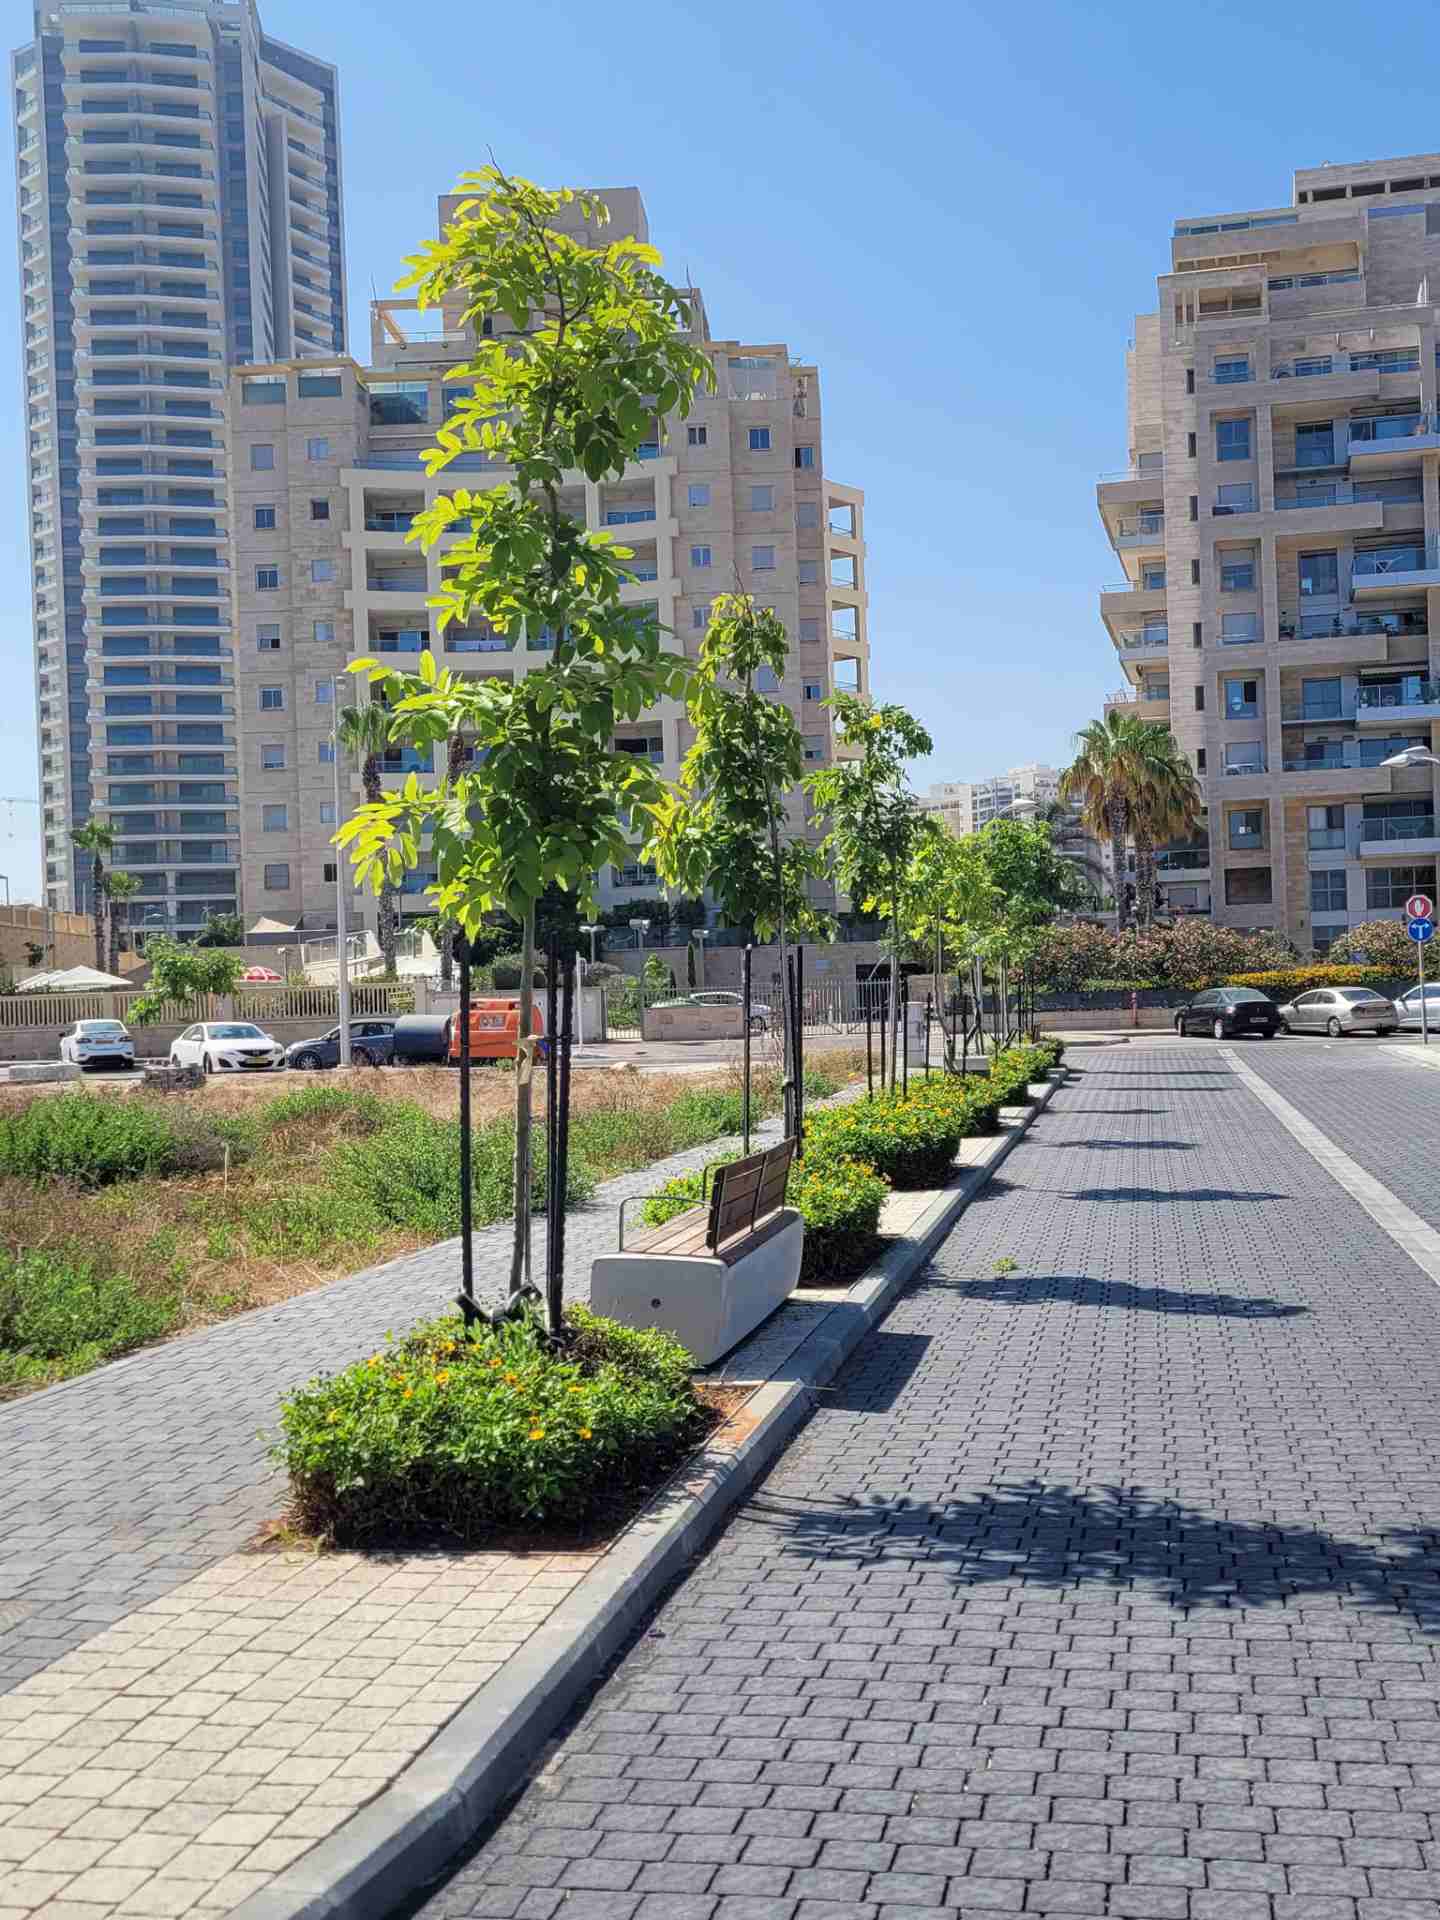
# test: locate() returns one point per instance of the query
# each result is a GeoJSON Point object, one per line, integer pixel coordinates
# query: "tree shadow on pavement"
{"type": "Point", "coordinates": [1119, 1146]}
{"type": "Point", "coordinates": [1186, 1196]}
{"type": "Point", "coordinates": [1080, 1290]}
{"type": "Point", "coordinates": [1124, 1538]}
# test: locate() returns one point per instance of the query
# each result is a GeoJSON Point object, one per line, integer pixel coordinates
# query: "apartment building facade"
{"type": "Point", "coordinates": [1277, 528]}
{"type": "Point", "coordinates": [178, 175]}
{"type": "Point", "coordinates": [967, 805]}
{"type": "Point", "coordinates": [327, 478]}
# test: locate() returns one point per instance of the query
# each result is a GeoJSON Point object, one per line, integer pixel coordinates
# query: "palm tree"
{"type": "Point", "coordinates": [365, 732]}
{"type": "Point", "coordinates": [1167, 803]}
{"type": "Point", "coordinates": [97, 839]}
{"type": "Point", "coordinates": [118, 887]}
{"type": "Point", "coordinates": [1103, 782]}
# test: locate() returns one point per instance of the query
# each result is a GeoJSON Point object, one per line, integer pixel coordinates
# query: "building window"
{"type": "Point", "coordinates": [1242, 699]}
{"type": "Point", "coordinates": [267, 579]}
{"type": "Point", "coordinates": [809, 632]}
{"type": "Point", "coordinates": [1315, 444]}
{"type": "Point", "coordinates": [330, 872]}
{"type": "Point", "coordinates": [325, 631]}
{"type": "Point", "coordinates": [327, 753]}
{"type": "Point", "coordinates": [1152, 579]}
{"type": "Point", "coordinates": [808, 573]}
{"type": "Point", "coordinates": [1319, 575]}
{"type": "Point", "coordinates": [1237, 576]}
{"type": "Point", "coordinates": [272, 758]}
{"type": "Point", "coordinates": [322, 571]}
{"type": "Point", "coordinates": [267, 639]}
{"type": "Point", "coordinates": [1247, 887]}
{"type": "Point", "coordinates": [1392, 886]}
{"type": "Point", "coordinates": [807, 516]}
{"type": "Point", "coordinates": [699, 556]}
{"type": "Point", "coordinates": [759, 439]}
{"type": "Point", "coordinates": [762, 559]}
{"type": "Point", "coordinates": [1239, 629]}
{"type": "Point", "coordinates": [1325, 827]}
{"type": "Point", "coordinates": [1328, 891]}
{"type": "Point", "coordinates": [699, 618]}
{"type": "Point", "coordinates": [319, 509]}
{"type": "Point", "coordinates": [317, 448]}
{"type": "Point", "coordinates": [400, 403]}
{"type": "Point", "coordinates": [274, 818]}
{"type": "Point", "coordinates": [277, 876]}
{"type": "Point", "coordinates": [1247, 827]}
{"type": "Point", "coordinates": [698, 495]}
{"type": "Point", "coordinates": [272, 699]}
{"type": "Point", "coordinates": [264, 519]}
{"type": "Point", "coordinates": [324, 693]}
{"type": "Point", "coordinates": [762, 499]}
{"type": "Point", "coordinates": [1199, 699]}
{"type": "Point", "coordinates": [1228, 371]}
{"type": "Point", "coordinates": [1232, 439]}
{"type": "Point", "coordinates": [1321, 699]}
{"type": "Point", "coordinates": [327, 813]}
{"type": "Point", "coordinates": [805, 458]}
{"type": "Point", "coordinates": [262, 459]}
{"type": "Point", "coordinates": [696, 436]}
{"type": "Point", "coordinates": [1238, 497]}
{"type": "Point", "coordinates": [813, 745]}
{"type": "Point", "coordinates": [1200, 759]}
{"type": "Point", "coordinates": [635, 875]}
{"type": "Point", "coordinates": [814, 690]}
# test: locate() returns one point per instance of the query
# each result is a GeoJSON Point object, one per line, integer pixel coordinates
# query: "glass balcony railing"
{"type": "Point", "coordinates": [1343, 494]}
{"type": "Point", "coordinates": [1389, 426]}
{"type": "Point", "coordinates": [1145, 640]}
{"type": "Point", "coordinates": [1410, 558]}
{"type": "Point", "coordinates": [1412, 826]}
{"type": "Point", "coordinates": [1412, 691]}
{"type": "Point", "coordinates": [1321, 755]}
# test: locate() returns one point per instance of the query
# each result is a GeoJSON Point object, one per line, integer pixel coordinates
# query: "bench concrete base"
{"type": "Point", "coordinates": [41, 1072]}
{"type": "Point", "coordinates": [708, 1306]}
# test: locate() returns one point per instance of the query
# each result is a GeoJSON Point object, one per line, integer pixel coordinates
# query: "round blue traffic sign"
{"type": "Point", "coordinates": [1421, 930]}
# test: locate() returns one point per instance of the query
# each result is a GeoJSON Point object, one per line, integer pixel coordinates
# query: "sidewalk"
{"type": "Point", "coordinates": [1105, 1581]}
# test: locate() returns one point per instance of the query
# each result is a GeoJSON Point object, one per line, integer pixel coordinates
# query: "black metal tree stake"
{"type": "Point", "coordinates": [869, 1041]}
{"type": "Point", "coordinates": [745, 960]}
{"type": "Point", "coordinates": [554, 1193]}
{"type": "Point", "coordinates": [466, 1300]}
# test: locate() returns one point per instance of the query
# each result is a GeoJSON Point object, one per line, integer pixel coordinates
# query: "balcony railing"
{"type": "Point", "coordinates": [1241, 767]}
{"type": "Point", "coordinates": [1414, 558]}
{"type": "Point", "coordinates": [1147, 640]}
{"type": "Point", "coordinates": [1412, 826]}
{"type": "Point", "coordinates": [1343, 494]}
{"type": "Point", "coordinates": [1410, 692]}
{"type": "Point", "coordinates": [1342, 754]}
{"type": "Point", "coordinates": [1389, 426]}
{"type": "Point", "coordinates": [1143, 527]}
{"type": "Point", "coordinates": [1187, 860]}
{"type": "Point", "coordinates": [1327, 626]}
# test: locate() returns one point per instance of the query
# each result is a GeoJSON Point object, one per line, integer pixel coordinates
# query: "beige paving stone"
{"type": "Point", "coordinates": [144, 1790]}
{"type": "Point", "coordinates": [18, 1844]}
{"type": "Point", "coordinates": [231, 1890]}
{"type": "Point", "coordinates": [63, 1854]}
{"type": "Point", "coordinates": [31, 1889]}
{"type": "Point", "coordinates": [180, 1817]}
{"type": "Point", "coordinates": [199, 1860]}
{"type": "Point", "coordinates": [267, 1796]}
{"type": "Point", "coordinates": [162, 1898]}
{"type": "Point", "coordinates": [273, 1856]}
{"type": "Point", "coordinates": [153, 1850]}
{"type": "Point", "coordinates": [107, 1823]}
{"type": "Point", "coordinates": [106, 1886]}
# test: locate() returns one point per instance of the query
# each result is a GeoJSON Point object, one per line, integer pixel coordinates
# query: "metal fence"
{"type": "Point", "coordinates": [254, 1003]}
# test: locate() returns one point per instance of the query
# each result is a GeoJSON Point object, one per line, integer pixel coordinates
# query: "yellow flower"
{"type": "Point", "coordinates": [409, 1394]}
{"type": "Point", "coordinates": [584, 1433]}
{"type": "Point", "coordinates": [442, 1377]}
{"type": "Point", "coordinates": [576, 1388]}
{"type": "Point", "coordinates": [537, 1433]}
{"type": "Point", "coordinates": [332, 1415]}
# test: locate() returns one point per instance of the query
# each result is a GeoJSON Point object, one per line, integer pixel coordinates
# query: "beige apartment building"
{"type": "Point", "coordinates": [967, 805]}
{"type": "Point", "coordinates": [1277, 528]}
{"type": "Point", "coordinates": [326, 477]}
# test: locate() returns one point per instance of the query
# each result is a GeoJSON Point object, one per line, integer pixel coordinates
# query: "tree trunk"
{"type": "Point", "coordinates": [97, 884]}
{"type": "Point", "coordinates": [388, 929]}
{"type": "Point", "coordinates": [777, 861]}
{"type": "Point", "coordinates": [446, 944]}
{"type": "Point", "coordinates": [1118, 825]}
{"type": "Point", "coordinates": [1144, 880]}
{"type": "Point", "coordinates": [524, 1082]}
{"type": "Point", "coordinates": [114, 938]}
{"type": "Point", "coordinates": [894, 1009]}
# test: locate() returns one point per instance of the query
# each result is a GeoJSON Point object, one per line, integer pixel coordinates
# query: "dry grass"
{"type": "Point", "coordinates": [222, 1241]}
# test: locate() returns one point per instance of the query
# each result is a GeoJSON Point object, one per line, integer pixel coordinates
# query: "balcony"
{"type": "Point", "coordinates": [1345, 493]}
{"type": "Point", "coordinates": [416, 582]}
{"type": "Point", "coordinates": [1406, 566]}
{"type": "Point", "coordinates": [1329, 755]}
{"type": "Point", "coordinates": [1390, 439]}
{"type": "Point", "coordinates": [1398, 839]}
{"type": "Point", "coordinates": [1144, 643]}
{"type": "Point", "coordinates": [1122, 607]}
{"type": "Point", "coordinates": [1146, 529]}
{"type": "Point", "coordinates": [1409, 698]}
{"type": "Point", "coordinates": [1186, 863]}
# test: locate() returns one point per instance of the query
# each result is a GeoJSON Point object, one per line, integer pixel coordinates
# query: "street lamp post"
{"type": "Point", "coordinates": [6, 878]}
{"type": "Point", "coordinates": [342, 915]}
{"type": "Point", "coordinates": [641, 927]}
{"type": "Point", "coordinates": [700, 935]}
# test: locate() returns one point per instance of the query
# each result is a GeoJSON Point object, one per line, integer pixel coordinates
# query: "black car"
{"type": "Point", "coordinates": [1228, 1011]}
{"type": "Point", "coordinates": [372, 1044]}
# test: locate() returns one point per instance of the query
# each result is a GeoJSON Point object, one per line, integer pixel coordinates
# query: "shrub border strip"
{"type": "Point", "coordinates": [479, 1760]}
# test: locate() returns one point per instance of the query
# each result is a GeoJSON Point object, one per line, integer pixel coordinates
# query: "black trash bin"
{"type": "Point", "coordinates": [422, 1039]}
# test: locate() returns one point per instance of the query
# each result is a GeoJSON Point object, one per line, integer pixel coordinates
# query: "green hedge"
{"type": "Point", "coordinates": [440, 1435]}
{"type": "Point", "coordinates": [87, 1138]}
{"type": "Point", "coordinates": [1281, 982]}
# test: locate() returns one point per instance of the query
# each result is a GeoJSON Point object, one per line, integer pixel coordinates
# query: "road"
{"type": "Point", "coordinates": [1105, 1580]}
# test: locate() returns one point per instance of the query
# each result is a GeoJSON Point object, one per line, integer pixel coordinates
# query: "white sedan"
{"type": "Point", "coordinates": [1407, 1008]}
{"type": "Point", "coordinates": [98, 1043]}
{"type": "Point", "coordinates": [226, 1046]}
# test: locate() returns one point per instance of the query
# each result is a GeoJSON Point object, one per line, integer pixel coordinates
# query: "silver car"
{"type": "Point", "coordinates": [1338, 1010]}
{"type": "Point", "coordinates": [1407, 1008]}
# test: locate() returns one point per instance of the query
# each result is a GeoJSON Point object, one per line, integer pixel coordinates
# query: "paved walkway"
{"type": "Point", "coordinates": [1105, 1583]}
{"type": "Point", "coordinates": [118, 1487]}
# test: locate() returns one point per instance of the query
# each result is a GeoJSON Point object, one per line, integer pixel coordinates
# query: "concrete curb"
{"type": "Point", "coordinates": [478, 1760]}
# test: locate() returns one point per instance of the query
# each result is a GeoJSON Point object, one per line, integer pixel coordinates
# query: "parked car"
{"type": "Point", "coordinates": [761, 1017]}
{"type": "Point", "coordinates": [1407, 1008]}
{"type": "Point", "coordinates": [1228, 1011]}
{"type": "Point", "coordinates": [227, 1046]}
{"type": "Point", "coordinates": [1337, 1010]}
{"type": "Point", "coordinates": [98, 1043]}
{"type": "Point", "coordinates": [372, 1044]}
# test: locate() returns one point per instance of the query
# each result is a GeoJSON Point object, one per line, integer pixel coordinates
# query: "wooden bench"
{"type": "Point", "coordinates": [744, 1207]}
{"type": "Point", "coordinates": [714, 1272]}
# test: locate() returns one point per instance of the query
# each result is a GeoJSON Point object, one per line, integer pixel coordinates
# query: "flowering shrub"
{"type": "Point", "coordinates": [442, 1436]}
{"type": "Point", "coordinates": [1192, 953]}
{"type": "Point", "coordinates": [1281, 982]}
{"type": "Point", "coordinates": [912, 1143]}
{"type": "Point", "coordinates": [1380, 943]}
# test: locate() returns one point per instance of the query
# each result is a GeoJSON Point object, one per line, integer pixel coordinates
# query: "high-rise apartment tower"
{"type": "Point", "coordinates": [327, 478]}
{"type": "Point", "coordinates": [1278, 529]}
{"type": "Point", "coordinates": [178, 179]}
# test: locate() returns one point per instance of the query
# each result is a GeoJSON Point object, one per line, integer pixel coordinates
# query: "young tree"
{"type": "Point", "coordinates": [365, 732]}
{"type": "Point", "coordinates": [180, 974]}
{"type": "Point", "coordinates": [874, 819]}
{"type": "Point", "coordinates": [119, 887]}
{"type": "Point", "coordinates": [726, 826]}
{"type": "Point", "coordinates": [951, 902]}
{"type": "Point", "coordinates": [97, 839]}
{"type": "Point", "coordinates": [221, 930]}
{"type": "Point", "coordinates": [600, 349]}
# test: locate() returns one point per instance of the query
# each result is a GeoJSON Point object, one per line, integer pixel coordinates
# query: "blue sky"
{"type": "Point", "coordinates": [956, 210]}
